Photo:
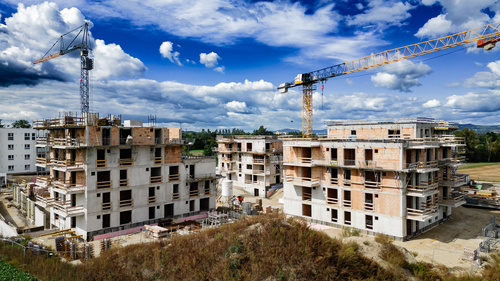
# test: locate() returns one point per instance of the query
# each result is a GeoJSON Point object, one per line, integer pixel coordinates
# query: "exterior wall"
{"type": "Point", "coordinates": [397, 185]}
{"type": "Point", "coordinates": [24, 158]}
{"type": "Point", "coordinates": [251, 162]}
{"type": "Point", "coordinates": [108, 177]}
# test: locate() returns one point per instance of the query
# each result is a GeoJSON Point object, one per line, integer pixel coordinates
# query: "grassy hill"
{"type": "Point", "coordinates": [257, 248]}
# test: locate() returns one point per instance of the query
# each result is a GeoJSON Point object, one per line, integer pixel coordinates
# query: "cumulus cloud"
{"type": "Point", "coordinates": [166, 51]}
{"type": "Point", "coordinates": [381, 13]}
{"type": "Point", "coordinates": [211, 60]}
{"type": "Point", "coordinates": [237, 106]}
{"type": "Point", "coordinates": [432, 103]}
{"type": "Point", "coordinates": [485, 79]}
{"type": "Point", "coordinates": [31, 31]}
{"type": "Point", "coordinates": [475, 102]}
{"type": "Point", "coordinates": [457, 16]}
{"type": "Point", "coordinates": [401, 75]}
{"type": "Point", "coordinates": [224, 22]}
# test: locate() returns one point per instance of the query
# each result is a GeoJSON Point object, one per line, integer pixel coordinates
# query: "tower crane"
{"type": "Point", "coordinates": [86, 63]}
{"type": "Point", "coordinates": [485, 36]}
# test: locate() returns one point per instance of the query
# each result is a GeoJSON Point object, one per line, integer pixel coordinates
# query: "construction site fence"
{"type": "Point", "coordinates": [119, 229]}
{"type": "Point", "coordinates": [33, 249]}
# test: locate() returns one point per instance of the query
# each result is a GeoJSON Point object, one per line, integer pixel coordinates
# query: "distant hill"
{"type": "Point", "coordinates": [317, 132]}
{"type": "Point", "coordinates": [480, 128]}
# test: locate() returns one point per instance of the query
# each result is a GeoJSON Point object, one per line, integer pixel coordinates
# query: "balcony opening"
{"type": "Point", "coordinates": [123, 178]}
{"type": "Point", "coordinates": [106, 136]}
{"type": "Point", "coordinates": [191, 171]}
{"type": "Point", "coordinates": [335, 215]}
{"type": "Point", "coordinates": [158, 139]}
{"type": "Point", "coordinates": [151, 195]}
{"type": "Point", "coordinates": [333, 154]}
{"type": "Point", "coordinates": [103, 180]}
{"type": "Point", "coordinates": [126, 157]}
{"type": "Point", "coordinates": [173, 173]}
{"type": "Point", "coordinates": [306, 155]}
{"type": "Point", "coordinates": [306, 210]}
{"type": "Point", "coordinates": [268, 147]}
{"type": "Point", "coordinates": [347, 199]}
{"type": "Point", "coordinates": [445, 152]}
{"type": "Point", "coordinates": [101, 159]}
{"type": "Point", "coordinates": [369, 203]}
{"type": "Point", "coordinates": [408, 156]}
{"type": "Point", "coordinates": [332, 196]}
{"type": "Point", "coordinates": [73, 200]}
{"type": "Point", "coordinates": [368, 222]}
{"type": "Point", "coordinates": [125, 136]}
{"type": "Point", "coordinates": [204, 204]}
{"type": "Point", "coordinates": [334, 176]}
{"type": "Point", "coordinates": [306, 193]}
{"type": "Point", "coordinates": [191, 206]}
{"type": "Point", "coordinates": [429, 155]}
{"type": "Point", "coordinates": [207, 187]}
{"type": "Point", "coordinates": [373, 179]}
{"type": "Point", "coordinates": [249, 146]}
{"type": "Point", "coordinates": [239, 146]}
{"type": "Point", "coordinates": [193, 189]}
{"type": "Point", "coordinates": [106, 220]}
{"type": "Point", "coordinates": [175, 192]}
{"type": "Point", "coordinates": [126, 217]}
{"type": "Point", "coordinates": [417, 155]}
{"type": "Point", "coordinates": [155, 175]}
{"type": "Point", "coordinates": [152, 212]}
{"type": "Point", "coordinates": [126, 198]}
{"type": "Point", "coordinates": [168, 211]}
{"type": "Point", "coordinates": [106, 201]}
{"type": "Point", "coordinates": [394, 134]}
{"type": "Point", "coordinates": [349, 156]}
{"type": "Point", "coordinates": [306, 173]}
{"type": "Point", "coordinates": [347, 218]}
{"type": "Point", "coordinates": [347, 177]}
{"type": "Point", "coordinates": [256, 192]}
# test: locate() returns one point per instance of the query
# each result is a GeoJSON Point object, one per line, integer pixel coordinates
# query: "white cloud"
{"type": "Point", "coordinates": [401, 75]}
{"type": "Point", "coordinates": [166, 51]}
{"type": "Point", "coordinates": [236, 106]}
{"type": "Point", "coordinates": [31, 31]}
{"type": "Point", "coordinates": [432, 103]}
{"type": "Point", "coordinates": [220, 69]}
{"type": "Point", "coordinates": [458, 15]}
{"type": "Point", "coordinates": [209, 60]}
{"type": "Point", "coordinates": [381, 13]}
{"type": "Point", "coordinates": [476, 102]}
{"type": "Point", "coordinates": [436, 26]}
{"type": "Point", "coordinates": [485, 79]}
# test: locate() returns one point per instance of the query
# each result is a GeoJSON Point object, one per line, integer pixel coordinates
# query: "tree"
{"type": "Point", "coordinates": [471, 142]}
{"type": "Point", "coordinates": [261, 131]}
{"type": "Point", "coordinates": [21, 124]}
{"type": "Point", "coordinates": [492, 145]}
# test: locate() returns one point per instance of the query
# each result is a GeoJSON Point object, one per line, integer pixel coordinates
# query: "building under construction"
{"type": "Point", "coordinates": [396, 177]}
{"type": "Point", "coordinates": [107, 176]}
{"type": "Point", "coordinates": [253, 163]}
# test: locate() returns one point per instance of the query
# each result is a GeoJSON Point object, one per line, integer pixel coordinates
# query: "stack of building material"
{"type": "Point", "coordinates": [156, 231]}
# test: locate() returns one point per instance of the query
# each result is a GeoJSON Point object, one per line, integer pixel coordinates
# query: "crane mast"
{"type": "Point", "coordinates": [86, 63]}
{"type": "Point", "coordinates": [485, 36]}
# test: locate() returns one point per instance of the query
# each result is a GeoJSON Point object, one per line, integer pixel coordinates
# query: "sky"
{"type": "Point", "coordinates": [216, 64]}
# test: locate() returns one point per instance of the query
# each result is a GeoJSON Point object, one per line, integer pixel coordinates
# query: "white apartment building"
{"type": "Point", "coordinates": [106, 177]}
{"type": "Point", "coordinates": [17, 151]}
{"type": "Point", "coordinates": [253, 163]}
{"type": "Point", "coordinates": [396, 177]}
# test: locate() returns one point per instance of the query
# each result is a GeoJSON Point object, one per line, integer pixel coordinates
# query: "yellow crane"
{"type": "Point", "coordinates": [485, 36]}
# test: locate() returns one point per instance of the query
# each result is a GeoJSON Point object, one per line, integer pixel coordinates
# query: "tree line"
{"type": "Point", "coordinates": [480, 147]}
{"type": "Point", "coordinates": [206, 139]}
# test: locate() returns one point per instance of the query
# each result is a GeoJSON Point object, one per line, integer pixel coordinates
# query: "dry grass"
{"type": "Point", "coordinates": [483, 173]}
{"type": "Point", "coordinates": [257, 248]}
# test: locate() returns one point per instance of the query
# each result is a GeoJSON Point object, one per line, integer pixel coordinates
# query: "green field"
{"type": "Point", "coordinates": [477, 165]}
{"type": "Point", "coordinates": [8, 272]}
{"type": "Point", "coordinates": [198, 152]}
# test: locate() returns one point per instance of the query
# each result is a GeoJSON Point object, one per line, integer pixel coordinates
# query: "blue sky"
{"type": "Point", "coordinates": [217, 63]}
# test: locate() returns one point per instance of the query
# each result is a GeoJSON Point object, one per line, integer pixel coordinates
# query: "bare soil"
{"type": "Point", "coordinates": [484, 173]}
